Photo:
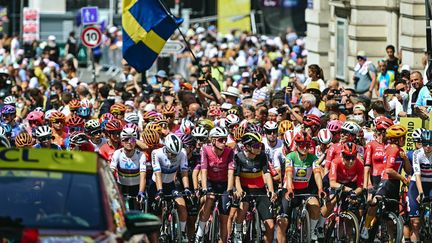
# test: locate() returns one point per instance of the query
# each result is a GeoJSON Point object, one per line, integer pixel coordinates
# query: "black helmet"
{"type": "Point", "coordinates": [426, 137]}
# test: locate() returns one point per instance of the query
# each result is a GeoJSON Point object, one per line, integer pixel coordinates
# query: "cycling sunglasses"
{"type": "Point", "coordinates": [45, 139]}
{"type": "Point", "coordinates": [129, 140]}
{"type": "Point", "coordinates": [427, 144]}
{"type": "Point", "coordinates": [96, 132]}
{"type": "Point", "coordinates": [349, 157]}
{"type": "Point", "coordinates": [269, 132]}
{"type": "Point", "coordinates": [221, 140]}
{"type": "Point", "coordinates": [256, 145]}
{"type": "Point", "coordinates": [75, 129]}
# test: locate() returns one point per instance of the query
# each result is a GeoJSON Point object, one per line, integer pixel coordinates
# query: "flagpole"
{"type": "Point", "coordinates": [184, 38]}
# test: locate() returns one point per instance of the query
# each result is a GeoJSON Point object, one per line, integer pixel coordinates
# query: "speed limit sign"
{"type": "Point", "coordinates": [91, 36]}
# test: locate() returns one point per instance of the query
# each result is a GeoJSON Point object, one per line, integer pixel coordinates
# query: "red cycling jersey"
{"type": "Point", "coordinates": [217, 167]}
{"type": "Point", "coordinates": [334, 152]}
{"type": "Point", "coordinates": [107, 151]}
{"type": "Point", "coordinates": [392, 159]}
{"type": "Point", "coordinates": [344, 175]}
{"type": "Point", "coordinates": [374, 157]}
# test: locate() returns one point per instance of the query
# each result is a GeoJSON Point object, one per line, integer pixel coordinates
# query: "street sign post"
{"type": "Point", "coordinates": [89, 15]}
{"type": "Point", "coordinates": [173, 47]}
{"type": "Point", "coordinates": [91, 37]}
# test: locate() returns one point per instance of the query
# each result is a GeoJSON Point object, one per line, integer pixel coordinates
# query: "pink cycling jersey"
{"type": "Point", "coordinates": [217, 167]}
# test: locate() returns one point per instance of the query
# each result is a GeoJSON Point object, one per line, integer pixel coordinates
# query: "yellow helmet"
{"type": "Point", "coordinates": [284, 126]}
{"type": "Point", "coordinates": [396, 131]}
{"type": "Point", "coordinates": [239, 132]}
{"type": "Point", "coordinates": [150, 137]}
{"type": "Point", "coordinates": [154, 127]}
{"type": "Point", "coordinates": [207, 124]}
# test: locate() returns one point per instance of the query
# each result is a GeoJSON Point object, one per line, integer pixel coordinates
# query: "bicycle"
{"type": "Point", "coordinates": [425, 220]}
{"type": "Point", "coordinates": [342, 225]}
{"type": "Point", "coordinates": [170, 229]}
{"type": "Point", "coordinates": [299, 220]}
{"type": "Point", "coordinates": [213, 221]}
{"type": "Point", "coordinates": [253, 230]}
{"type": "Point", "coordinates": [142, 206]}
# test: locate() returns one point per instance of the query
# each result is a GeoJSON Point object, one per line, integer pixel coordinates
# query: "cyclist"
{"type": "Point", "coordinates": [166, 161]}
{"type": "Point", "coordinates": [303, 176]}
{"type": "Point", "coordinates": [420, 185]}
{"type": "Point", "coordinates": [217, 176]}
{"type": "Point", "coordinates": [280, 155]}
{"type": "Point", "coordinates": [84, 113]}
{"type": "Point", "coordinates": [35, 119]}
{"type": "Point", "coordinates": [284, 125]}
{"type": "Point", "coordinates": [232, 121]}
{"type": "Point", "coordinates": [395, 160]}
{"type": "Point", "coordinates": [94, 130]}
{"type": "Point", "coordinates": [44, 136]}
{"type": "Point", "coordinates": [118, 110]}
{"type": "Point", "coordinates": [112, 132]}
{"type": "Point", "coordinates": [9, 116]}
{"type": "Point", "coordinates": [416, 138]}
{"type": "Point", "coordinates": [57, 122]}
{"type": "Point", "coordinates": [312, 124]}
{"type": "Point", "coordinates": [325, 138]}
{"type": "Point", "coordinates": [169, 112]}
{"type": "Point", "coordinates": [335, 126]}
{"type": "Point", "coordinates": [23, 140]}
{"type": "Point", "coordinates": [271, 144]}
{"type": "Point", "coordinates": [251, 177]}
{"type": "Point", "coordinates": [129, 164]}
{"type": "Point", "coordinates": [80, 141]}
{"type": "Point", "coordinates": [74, 105]}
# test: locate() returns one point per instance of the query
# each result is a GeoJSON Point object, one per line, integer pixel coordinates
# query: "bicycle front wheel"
{"type": "Point", "coordinates": [390, 228]}
{"type": "Point", "coordinates": [257, 232]}
{"type": "Point", "coordinates": [175, 230]}
{"type": "Point", "coordinates": [348, 230]}
{"type": "Point", "coordinates": [305, 227]}
{"type": "Point", "coordinates": [214, 227]}
{"type": "Point", "coordinates": [330, 226]}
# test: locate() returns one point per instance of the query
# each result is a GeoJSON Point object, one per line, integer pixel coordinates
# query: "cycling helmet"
{"type": "Point", "coordinates": [8, 109]}
{"type": "Point", "coordinates": [118, 108]}
{"type": "Point", "coordinates": [131, 117]}
{"type": "Point", "coordinates": [351, 127]}
{"type": "Point", "coordinates": [127, 133]}
{"type": "Point", "coordinates": [106, 116]}
{"type": "Point", "coordinates": [382, 123]}
{"type": "Point", "coordinates": [349, 149]}
{"type": "Point", "coordinates": [416, 134]}
{"type": "Point", "coordinates": [92, 125]}
{"type": "Point", "coordinates": [288, 138]}
{"type": "Point", "coordinates": [7, 129]}
{"type": "Point", "coordinates": [173, 144]}
{"type": "Point", "coordinates": [2, 131]}
{"type": "Point", "coordinates": [426, 137]}
{"type": "Point", "coordinates": [218, 132]}
{"type": "Point", "coordinates": [75, 121]}
{"type": "Point", "coordinates": [84, 112]}
{"type": "Point", "coordinates": [284, 126]}
{"type": "Point", "coordinates": [36, 117]}
{"type": "Point", "coordinates": [162, 121]}
{"type": "Point", "coordinates": [396, 131]}
{"type": "Point", "coordinates": [270, 125]}
{"type": "Point", "coordinates": [186, 126]}
{"type": "Point", "coordinates": [250, 137]}
{"type": "Point", "coordinates": [48, 114]}
{"type": "Point", "coordinates": [78, 138]}
{"type": "Point", "coordinates": [311, 119]}
{"type": "Point", "coordinates": [188, 140]}
{"type": "Point", "coordinates": [232, 120]}
{"type": "Point", "coordinates": [150, 116]}
{"type": "Point", "coordinates": [253, 128]}
{"type": "Point", "coordinates": [325, 136]}
{"type": "Point", "coordinates": [10, 100]}
{"type": "Point", "coordinates": [207, 124]}
{"type": "Point", "coordinates": [168, 110]}
{"type": "Point", "coordinates": [150, 137]}
{"type": "Point", "coordinates": [233, 111]}
{"type": "Point", "coordinates": [113, 126]}
{"type": "Point", "coordinates": [74, 105]}
{"type": "Point", "coordinates": [4, 142]}
{"type": "Point", "coordinates": [334, 125]}
{"type": "Point", "coordinates": [43, 131]}
{"type": "Point", "coordinates": [302, 137]}
{"type": "Point", "coordinates": [200, 132]}
{"type": "Point", "coordinates": [220, 122]}
{"type": "Point", "coordinates": [39, 109]}
{"type": "Point", "coordinates": [239, 132]}
{"type": "Point", "coordinates": [86, 103]}
{"type": "Point", "coordinates": [57, 116]}
{"type": "Point", "coordinates": [23, 140]}
{"type": "Point", "coordinates": [154, 127]}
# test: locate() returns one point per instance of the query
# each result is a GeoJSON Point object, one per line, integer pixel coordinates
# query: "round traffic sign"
{"type": "Point", "coordinates": [91, 36]}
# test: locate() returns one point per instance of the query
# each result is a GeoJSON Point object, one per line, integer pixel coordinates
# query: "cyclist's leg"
{"type": "Point", "coordinates": [313, 208]}
{"type": "Point", "coordinates": [263, 205]}
{"type": "Point", "coordinates": [413, 209]}
{"type": "Point", "coordinates": [241, 215]}
{"type": "Point", "coordinates": [224, 210]}
{"type": "Point", "coordinates": [205, 211]}
{"type": "Point", "coordinates": [153, 207]}
{"type": "Point", "coordinates": [282, 220]}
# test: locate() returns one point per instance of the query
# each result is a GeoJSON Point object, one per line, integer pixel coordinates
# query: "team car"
{"type": "Point", "coordinates": [63, 196]}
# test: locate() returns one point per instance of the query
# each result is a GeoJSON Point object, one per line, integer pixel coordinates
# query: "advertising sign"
{"type": "Point", "coordinates": [30, 24]}
{"type": "Point", "coordinates": [233, 14]}
{"type": "Point", "coordinates": [411, 123]}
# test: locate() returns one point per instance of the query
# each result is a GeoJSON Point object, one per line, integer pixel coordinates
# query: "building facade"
{"type": "Point", "coordinates": [338, 29]}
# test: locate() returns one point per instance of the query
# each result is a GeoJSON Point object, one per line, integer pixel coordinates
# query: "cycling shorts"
{"type": "Point", "coordinates": [224, 200]}
{"type": "Point", "coordinates": [413, 205]}
{"type": "Point", "coordinates": [262, 202]}
{"type": "Point", "coordinates": [375, 180]}
{"type": "Point", "coordinates": [286, 210]}
{"type": "Point", "coordinates": [167, 188]}
{"type": "Point", "coordinates": [390, 189]}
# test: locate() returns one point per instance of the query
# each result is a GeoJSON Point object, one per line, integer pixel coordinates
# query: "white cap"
{"type": "Point", "coordinates": [226, 106]}
{"type": "Point", "coordinates": [150, 107]}
{"type": "Point", "coordinates": [273, 110]}
{"type": "Point", "coordinates": [129, 103]}
{"type": "Point", "coordinates": [51, 38]}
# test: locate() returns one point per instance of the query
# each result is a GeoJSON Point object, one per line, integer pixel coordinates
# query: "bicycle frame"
{"type": "Point", "coordinates": [295, 227]}
{"type": "Point", "coordinates": [425, 221]}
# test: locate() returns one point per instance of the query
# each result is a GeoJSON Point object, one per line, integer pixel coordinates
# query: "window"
{"type": "Point", "coordinates": [341, 48]}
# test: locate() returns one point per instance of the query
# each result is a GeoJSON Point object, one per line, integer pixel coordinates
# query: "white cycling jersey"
{"type": "Point", "coordinates": [128, 168]}
{"type": "Point", "coordinates": [422, 165]}
{"type": "Point", "coordinates": [270, 151]}
{"type": "Point", "coordinates": [168, 167]}
{"type": "Point", "coordinates": [98, 146]}
{"type": "Point", "coordinates": [279, 158]}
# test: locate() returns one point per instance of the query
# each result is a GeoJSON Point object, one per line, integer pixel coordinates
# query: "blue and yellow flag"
{"type": "Point", "coordinates": [146, 28]}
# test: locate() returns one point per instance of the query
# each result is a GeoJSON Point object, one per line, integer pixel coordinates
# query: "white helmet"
{"type": "Point", "coordinates": [48, 113]}
{"type": "Point", "coordinates": [173, 144]}
{"type": "Point", "coordinates": [78, 138]}
{"type": "Point", "coordinates": [270, 125]}
{"type": "Point", "coordinates": [2, 131]}
{"type": "Point", "coordinates": [38, 109]}
{"type": "Point", "coordinates": [4, 142]}
{"type": "Point", "coordinates": [416, 134]}
{"type": "Point", "coordinates": [325, 136]}
{"type": "Point", "coordinates": [186, 126]}
{"type": "Point", "coordinates": [222, 122]}
{"type": "Point", "coordinates": [232, 119]}
{"type": "Point", "coordinates": [351, 127]}
{"type": "Point", "coordinates": [218, 132]}
{"type": "Point", "coordinates": [200, 132]}
{"type": "Point", "coordinates": [42, 131]}
{"type": "Point", "coordinates": [288, 138]}
{"type": "Point", "coordinates": [131, 117]}
{"type": "Point", "coordinates": [10, 100]}
{"type": "Point", "coordinates": [128, 133]}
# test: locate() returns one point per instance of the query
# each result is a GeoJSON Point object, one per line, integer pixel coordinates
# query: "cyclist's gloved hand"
{"type": "Point", "coordinates": [289, 194]}
{"type": "Point", "coordinates": [353, 195]}
{"type": "Point", "coordinates": [175, 193]}
{"type": "Point", "coordinates": [141, 196]}
{"type": "Point", "coordinates": [159, 195]}
{"type": "Point", "coordinates": [230, 193]}
{"type": "Point", "coordinates": [321, 193]}
{"type": "Point", "coordinates": [420, 197]}
{"type": "Point", "coordinates": [204, 192]}
{"type": "Point", "coordinates": [187, 192]}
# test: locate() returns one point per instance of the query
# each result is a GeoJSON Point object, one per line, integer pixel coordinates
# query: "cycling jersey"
{"type": "Point", "coordinates": [52, 146]}
{"type": "Point", "coordinates": [335, 151]}
{"type": "Point", "coordinates": [302, 170]}
{"type": "Point", "coordinates": [319, 151]}
{"type": "Point", "coordinates": [269, 150]}
{"type": "Point", "coordinates": [128, 168]}
{"type": "Point", "coordinates": [344, 175]}
{"type": "Point", "coordinates": [251, 171]}
{"type": "Point", "coordinates": [107, 151]}
{"type": "Point", "coordinates": [392, 159]}
{"type": "Point", "coordinates": [217, 166]}
{"type": "Point", "coordinates": [374, 157]}
{"type": "Point", "coordinates": [422, 165]}
{"type": "Point", "coordinates": [17, 129]}
{"type": "Point", "coordinates": [279, 158]}
{"type": "Point", "coordinates": [102, 142]}
{"type": "Point", "coordinates": [230, 141]}
{"type": "Point", "coordinates": [59, 139]}
{"type": "Point", "coordinates": [168, 167]}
